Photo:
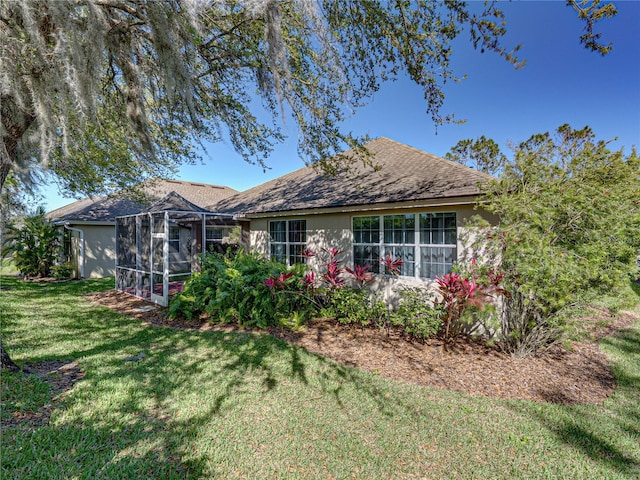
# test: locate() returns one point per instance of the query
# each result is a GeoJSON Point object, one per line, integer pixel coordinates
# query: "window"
{"type": "Point", "coordinates": [213, 237]}
{"type": "Point", "coordinates": [174, 239]}
{"type": "Point", "coordinates": [426, 242]}
{"type": "Point", "coordinates": [366, 242]}
{"type": "Point", "coordinates": [288, 240]}
{"type": "Point", "coordinates": [399, 241]}
{"type": "Point", "coordinates": [438, 236]}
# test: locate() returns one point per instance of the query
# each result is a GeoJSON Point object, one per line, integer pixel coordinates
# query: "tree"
{"type": "Point", "coordinates": [34, 244]}
{"type": "Point", "coordinates": [569, 211]}
{"type": "Point", "coordinates": [482, 154]}
{"type": "Point", "coordinates": [147, 81]}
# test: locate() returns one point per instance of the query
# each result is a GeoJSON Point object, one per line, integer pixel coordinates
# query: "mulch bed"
{"type": "Point", "coordinates": [580, 375]}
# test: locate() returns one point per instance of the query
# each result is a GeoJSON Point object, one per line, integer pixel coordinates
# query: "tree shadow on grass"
{"type": "Point", "coordinates": [603, 439]}
{"type": "Point", "coordinates": [143, 430]}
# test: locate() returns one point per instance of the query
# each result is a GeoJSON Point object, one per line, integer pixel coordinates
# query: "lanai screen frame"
{"type": "Point", "coordinates": [143, 278]}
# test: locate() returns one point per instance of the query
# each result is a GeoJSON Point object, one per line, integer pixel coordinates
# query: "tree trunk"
{"type": "Point", "coordinates": [5, 360]}
{"type": "Point", "coordinates": [15, 123]}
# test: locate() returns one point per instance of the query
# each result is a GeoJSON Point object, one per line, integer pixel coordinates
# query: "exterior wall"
{"type": "Point", "coordinates": [334, 230]}
{"type": "Point", "coordinates": [99, 250]}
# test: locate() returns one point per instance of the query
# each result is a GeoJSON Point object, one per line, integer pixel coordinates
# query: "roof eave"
{"type": "Point", "coordinates": [427, 203]}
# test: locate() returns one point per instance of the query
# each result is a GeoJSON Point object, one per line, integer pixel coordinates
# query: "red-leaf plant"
{"type": "Point", "coordinates": [278, 281]}
{"type": "Point", "coordinates": [391, 265]}
{"type": "Point", "coordinates": [361, 274]}
{"type": "Point", "coordinates": [333, 274]}
{"type": "Point", "coordinates": [333, 268]}
{"type": "Point", "coordinates": [459, 293]}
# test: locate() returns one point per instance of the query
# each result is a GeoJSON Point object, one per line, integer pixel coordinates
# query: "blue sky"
{"type": "Point", "coordinates": [561, 83]}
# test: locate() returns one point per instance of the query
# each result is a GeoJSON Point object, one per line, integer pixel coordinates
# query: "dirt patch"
{"type": "Point", "coordinates": [61, 377]}
{"type": "Point", "coordinates": [580, 375]}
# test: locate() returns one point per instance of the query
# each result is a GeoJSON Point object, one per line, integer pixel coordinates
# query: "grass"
{"type": "Point", "coordinates": [162, 403]}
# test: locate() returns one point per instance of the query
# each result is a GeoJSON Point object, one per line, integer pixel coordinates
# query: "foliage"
{"type": "Point", "coordinates": [569, 212]}
{"type": "Point", "coordinates": [482, 154]}
{"type": "Point", "coordinates": [355, 306]}
{"type": "Point", "coordinates": [333, 271]}
{"type": "Point", "coordinates": [592, 12]}
{"type": "Point", "coordinates": [130, 87]}
{"type": "Point", "coordinates": [244, 288]}
{"type": "Point", "coordinates": [416, 314]}
{"type": "Point", "coordinates": [569, 230]}
{"type": "Point", "coordinates": [34, 244]}
{"type": "Point", "coordinates": [524, 330]}
{"type": "Point", "coordinates": [462, 293]}
{"type": "Point", "coordinates": [62, 270]}
{"type": "Point", "coordinates": [391, 265]}
{"type": "Point", "coordinates": [16, 197]}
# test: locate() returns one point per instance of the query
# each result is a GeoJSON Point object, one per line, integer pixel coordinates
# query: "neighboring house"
{"type": "Point", "coordinates": [90, 222]}
{"type": "Point", "coordinates": [412, 206]}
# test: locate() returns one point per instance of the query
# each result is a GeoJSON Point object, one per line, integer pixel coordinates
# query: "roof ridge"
{"type": "Point", "coordinates": [194, 183]}
{"type": "Point", "coordinates": [439, 158]}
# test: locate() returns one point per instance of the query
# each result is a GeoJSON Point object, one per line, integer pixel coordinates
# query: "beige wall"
{"type": "Point", "coordinates": [99, 250]}
{"type": "Point", "coordinates": [334, 230]}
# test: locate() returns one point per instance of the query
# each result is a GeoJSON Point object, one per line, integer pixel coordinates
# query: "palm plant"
{"type": "Point", "coordinates": [34, 243]}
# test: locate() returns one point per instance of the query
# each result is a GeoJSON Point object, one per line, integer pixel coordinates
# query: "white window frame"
{"type": "Point", "coordinates": [212, 241]}
{"type": "Point", "coordinates": [174, 243]}
{"type": "Point", "coordinates": [391, 247]}
{"type": "Point", "coordinates": [290, 246]}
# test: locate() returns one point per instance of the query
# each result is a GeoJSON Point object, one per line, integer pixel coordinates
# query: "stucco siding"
{"type": "Point", "coordinates": [325, 231]}
{"type": "Point", "coordinates": [100, 251]}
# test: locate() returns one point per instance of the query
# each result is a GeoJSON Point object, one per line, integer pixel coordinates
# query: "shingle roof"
{"type": "Point", "coordinates": [405, 174]}
{"type": "Point", "coordinates": [106, 209]}
{"type": "Point", "coordinates": [174, 202]}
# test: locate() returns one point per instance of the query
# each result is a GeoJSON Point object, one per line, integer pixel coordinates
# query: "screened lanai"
{"type": "Point", "coordinates": [156, 250]}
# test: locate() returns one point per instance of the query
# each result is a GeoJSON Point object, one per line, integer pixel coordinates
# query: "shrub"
{"type": "Point", "coordinates": [62, 271]}
{"type": "Point", "coordinates": [244, 288]}
{"type": "Point", "coordinates": [35, 245]}
{"type": "Point", "coordinates": [416, 314]}
{"type": "Point", "coordinates": [355, 306]}
{"type": "Point", "coordinates": [524, 329]}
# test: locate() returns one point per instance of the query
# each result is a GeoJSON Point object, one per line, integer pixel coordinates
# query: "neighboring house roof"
{"type": "Point", "coordinates": [405, 174]}
{"type": "Point", "coordinates": [174, 202]}
{"type": "Point", "coordinates": [106, 209]}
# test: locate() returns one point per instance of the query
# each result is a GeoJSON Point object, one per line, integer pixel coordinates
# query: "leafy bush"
{"type": "Point", "coordinates": [355, 306]}
{"type": "Point", "coordinates": [62, 271]}
{"type": "Point", "coordinates": [416, 314]}
{"type": "Point", "coordinates": [244, 288]}
{"type": "Point", "coordinates": [464, 294]}
{"type": "Point", "coordinates": [34, 245]}
{"type": "Point", "coordinates": [569, 217]}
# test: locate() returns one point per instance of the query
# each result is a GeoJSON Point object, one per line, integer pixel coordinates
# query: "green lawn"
{"type": "Point", "coordinates": [240, 405]}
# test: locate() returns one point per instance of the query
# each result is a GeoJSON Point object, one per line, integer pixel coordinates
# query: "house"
{"type": "Point", "coordinates": [90, 222]}
{"type": "Point", "coordinates": [412, 205]}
